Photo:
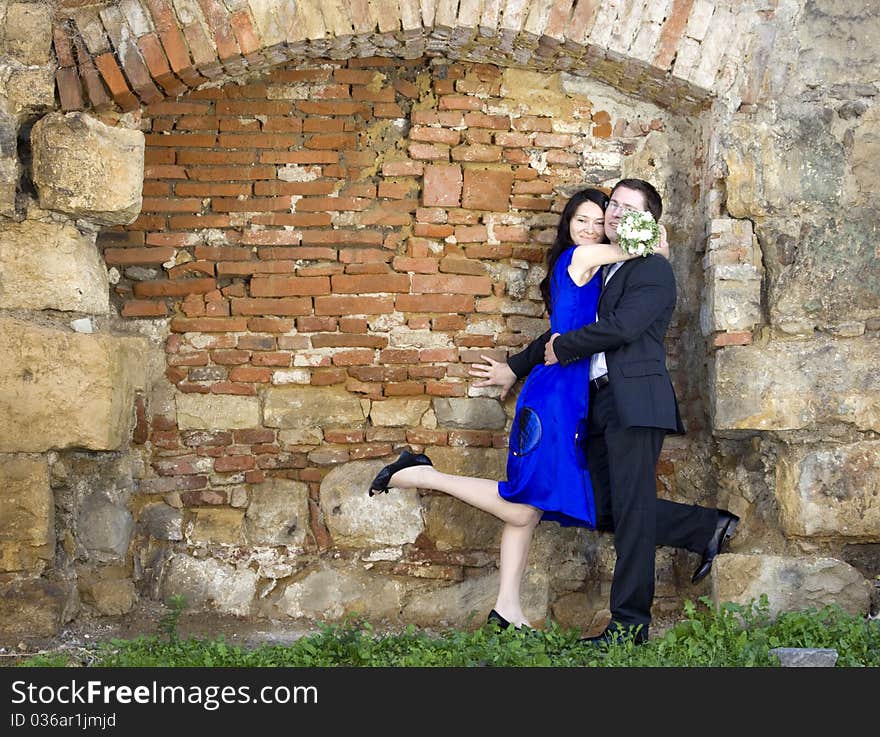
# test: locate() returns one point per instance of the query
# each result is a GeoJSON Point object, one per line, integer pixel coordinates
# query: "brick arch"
{"type": "Point", "coordinates": [129, 53]}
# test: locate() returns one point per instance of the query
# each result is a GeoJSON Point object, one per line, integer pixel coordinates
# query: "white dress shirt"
{"type": "Point", "coordinates": [598, 366]}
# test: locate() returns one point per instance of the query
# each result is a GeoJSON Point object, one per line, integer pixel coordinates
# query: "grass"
{"type": "Point", "coordinates": [727, 636]}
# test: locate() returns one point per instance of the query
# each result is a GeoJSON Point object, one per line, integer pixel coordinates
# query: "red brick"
{"type": "Point", "coordinates": [442, 186]}
{"type": "Point", "coordinates": [429, 152]}
{"type": "Point", "coordinates": [267, 306]}
{"type": "Point", "coordinates": [209, 325]}
{"type": "Point", "coordinates": [143, 308]}
{"type": "Point", "coordinates": [272, 358]}
{"type": "Point", "coordinates": [270, 237]}
{"type": "Point", "coordinates": [118, 256]}
{"type": "Point", "coordinates": [298, 157]}
{"type": "Point", "coordinates": [672, 32]}
{"type": "Point", "coordinates": [154, 56]}
{"type": "Point", "coordinates": [348, 340]}
{"type": "Point", "coordinates": [289, 286]}
{"type": "Point", "coordinates": [435, 303]}
{"type": "Point", "coordinates": [378, 284]}
{"type": "Point", "coordinates": [403, 168]}
{"type": "Point", "coordinates": [289, 188]}
{"type": "Point", "coordinates": [361, 357]}
{"type": "Point", "coordinates": [487, 189]}
{"type": "Point", "coordinates": [161, 171]}
{"type": "Point", "coordinates": [451, 285]}
{"type": "Point", "coordinates": [170, 288]}
{"type": "Point", "coordinates": [233, 463]}
{"type": "Point", "coordinates": [523, 202]}
{"type": "Point", "coordinates": [442, 389]}
{"type": "Point", "coordinates": [346, 109]}
{"type": "Point", "coordinates": [107, 66]}
{"type": "Point", "coordinates": [304, 253]}
{"type": "Point", "coordinates": [269, 325]}
{"type": "Point", "coordinates": [230, 173]}
{"type": "Point", "coordinates": [477, 152]}
{"type": "Point", "coordinates": [415, 265]}
{"type": "Point", "coordinates": [328, 377]}
{"type": "Point", "coordinates": [171, 204]}
{"type": "Point", "coordinates": [69, 89]}
{"type": "Point", "coordinates": [354, 305]}
{"type": "Point", "coordinates": [723, 339]}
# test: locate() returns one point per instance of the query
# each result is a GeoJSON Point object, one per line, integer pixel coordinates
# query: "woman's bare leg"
{"type": "Point", "coordinates": [519, 520]}
{"type": "Point", "coordinates": [480, 493]}
{"type": "Point", "coordinates": [515, 542]}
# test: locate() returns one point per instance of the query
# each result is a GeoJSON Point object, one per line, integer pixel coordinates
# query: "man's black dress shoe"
{"type": "Point", "coordinates": [617, 632]}
{"type": "Point", "coordinates": [727, 522]}
{"type": "Point", "coordinates": [406, 459]}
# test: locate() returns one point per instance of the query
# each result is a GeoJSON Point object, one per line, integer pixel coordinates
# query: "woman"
{"type": "Point", "coordinates": [547, 475]}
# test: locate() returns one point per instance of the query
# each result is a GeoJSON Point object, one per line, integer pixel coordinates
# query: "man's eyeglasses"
{"type": "Point", "coordinates": [614, 205]}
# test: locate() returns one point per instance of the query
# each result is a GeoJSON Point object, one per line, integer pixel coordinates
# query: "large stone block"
{"type": "Point", "coordinates": [217, 412]}
{"type": "Point", "coordinates": [793, 385]}
{"type": "Point", "coordinates": [831, 492]}
{"type": "Point", "coordinates": [30, 607]}
{"type": "Point", "coordinates": [105, 527]}
{"type": "Point", "coordinates": [452, 524]}
{"type": "Point", "coordinates": [302, 407]}
{"type": "Point", "coordinates": [47, 266]}
{"type": "Point", "coordinates": [28, 33]}
{"type": "Point", "coordinates": [782, 170]}
{"type": "Point", "coordinates": [333, 593]}
{"type": "Point", "coordinates": [822, 272]}
{"type": "Point", "coordinates": [31, 91]}
{"type": "Point", "coordinates": [399, 412]}
{"type": "Point", "coordinates": [485, 463]}
{"type": "Point", "coordinates": [209, 585]}
{"type": "Point", "coordinates": [9, 169]}
{"type": "Point", "coordinates": [277, 513]}
{"type": "Point", "coordinates": [216, 526]}
{"type": "Point", "coordinates": [88, 169]}
{"type": "Point", "coordinates": [473, 413]}
{"type": "Point", "coordinates": [27, 515]}
{"type": "Point", "coordinates": [60, 389]}
{"type": "Point", "coordinates": [731, 299]}
{"type": "Point", "coordinates": [791, 584]}
{"type": "Point", "coordinates": [838, 42]}
{"type": "Point", "coordinates": [866, 152]}
{"type": "Point", "coordinates": [358, 520]}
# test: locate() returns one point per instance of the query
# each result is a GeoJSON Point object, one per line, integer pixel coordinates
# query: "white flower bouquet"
{"type": "Point", "coordinates": [638, 234]}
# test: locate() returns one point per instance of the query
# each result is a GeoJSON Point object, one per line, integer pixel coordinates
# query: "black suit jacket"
{"type": "Point", "coordinates": [634, 312]}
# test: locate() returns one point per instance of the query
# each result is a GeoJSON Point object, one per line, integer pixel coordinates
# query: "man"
{"type": "Point", "coordinates": [632, 408]}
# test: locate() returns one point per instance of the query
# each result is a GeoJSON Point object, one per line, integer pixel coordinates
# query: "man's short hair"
{"type": "Point", "coordinates": [653, 201]}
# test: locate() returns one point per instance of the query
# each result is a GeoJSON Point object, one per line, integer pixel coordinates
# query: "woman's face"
{"type": "Point", "coordinates": [587, 225]}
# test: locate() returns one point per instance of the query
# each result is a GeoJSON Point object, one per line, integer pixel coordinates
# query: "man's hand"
{"type": "Point", "coordinates": [494, 373]}
{"type": "Point", "coordinates": [549, 353]}
{"type": "Point", "coordinates": [663, 247]}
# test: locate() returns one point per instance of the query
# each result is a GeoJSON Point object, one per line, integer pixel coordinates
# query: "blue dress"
{"type": "Point", "coordinates": [546, 463]}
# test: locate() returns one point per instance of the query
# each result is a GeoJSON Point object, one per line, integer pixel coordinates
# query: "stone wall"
{"type": "Point", "coordinates": [246, 254]}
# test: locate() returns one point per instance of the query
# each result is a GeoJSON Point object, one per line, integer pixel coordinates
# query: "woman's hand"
{"type": "Point", "coordinates": [494, 373]}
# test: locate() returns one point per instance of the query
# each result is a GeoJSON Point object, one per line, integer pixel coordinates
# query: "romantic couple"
{"type": "Point", "coordinates": [590, 419]}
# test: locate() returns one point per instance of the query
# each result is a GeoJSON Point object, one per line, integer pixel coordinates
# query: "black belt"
{"type": "Point", "coordinates": [600, 382]}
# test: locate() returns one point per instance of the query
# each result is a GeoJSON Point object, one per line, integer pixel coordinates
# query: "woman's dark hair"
{"type": "Point", "coordinates": [563, 233]}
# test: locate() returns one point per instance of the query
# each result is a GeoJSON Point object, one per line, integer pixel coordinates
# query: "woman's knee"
{"type": "Point", "coordinates": [526, 516]}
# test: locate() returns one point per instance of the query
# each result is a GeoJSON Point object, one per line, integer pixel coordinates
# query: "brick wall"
{"type": "Point", "coordinates": [365, 226]}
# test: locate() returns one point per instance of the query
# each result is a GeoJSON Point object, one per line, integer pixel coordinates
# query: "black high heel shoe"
{"type": "Point", "coordinates": [406, 459]}
{"type": "Point", "coordinates": [497, 619]}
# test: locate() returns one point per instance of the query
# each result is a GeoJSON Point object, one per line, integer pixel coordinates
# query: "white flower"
{"type": "Point", "coordinates": [638, 233]}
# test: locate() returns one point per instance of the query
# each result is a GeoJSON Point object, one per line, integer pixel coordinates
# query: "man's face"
{"type": "Point", "coordinates": [622, 199]}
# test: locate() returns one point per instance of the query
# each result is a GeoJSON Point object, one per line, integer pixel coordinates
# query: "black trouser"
{"type": "Point", "coordinates": [623, 468]}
